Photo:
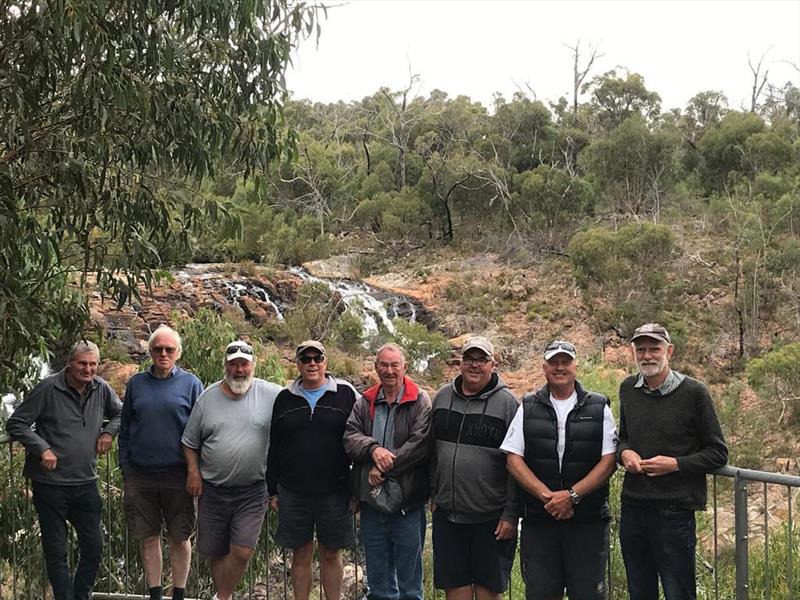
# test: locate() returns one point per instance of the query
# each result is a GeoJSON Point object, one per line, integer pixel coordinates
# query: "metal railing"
{"type": "Point", "coordinates": [756, 561]}
{"type": "Point", "coordinates": [742, 478]}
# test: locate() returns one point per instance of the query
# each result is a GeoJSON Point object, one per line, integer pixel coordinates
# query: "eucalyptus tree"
{"type": "Point", "coordinates": [634, 165]}
{"type": "Point", "coordinates": [110, 113]}
{"type": "Point", "coordinates": [527, 127]}
{"type": "Point", "coordinates": [446, 145]}
{"type": "Point", "coordinates": [392, 117]}
{"type": "Point", "coordinates": [615, 99]}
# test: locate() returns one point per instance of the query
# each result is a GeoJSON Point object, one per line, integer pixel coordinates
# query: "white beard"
{"type": "Point", "coordinates": [652, 370]}
{"type": "Point", "coordinates": [239, 385]}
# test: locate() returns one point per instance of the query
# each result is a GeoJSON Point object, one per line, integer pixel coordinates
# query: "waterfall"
{"type": "Point", "coordinates": [9, 400]}
{"type": "Point", "coordinates": [236, 290]}
{"type": "Point", "coordinates": [376, 308]}
{"type": "Point", "coordinates": [233, 289]}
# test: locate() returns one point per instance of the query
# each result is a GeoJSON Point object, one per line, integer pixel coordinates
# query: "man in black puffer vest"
{"type": "Point", "coordinates": [561, 450]}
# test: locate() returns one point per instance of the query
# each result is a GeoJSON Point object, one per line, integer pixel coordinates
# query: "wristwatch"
{"type": "Point", "coordinates": [573, 495]}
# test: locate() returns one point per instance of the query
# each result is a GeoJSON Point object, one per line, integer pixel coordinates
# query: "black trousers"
{"type": "Point", "coordinates": [81, 506]}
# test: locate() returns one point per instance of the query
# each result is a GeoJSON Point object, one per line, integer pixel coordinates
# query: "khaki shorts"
{"type": "Point", "coordinates": [153, 498]}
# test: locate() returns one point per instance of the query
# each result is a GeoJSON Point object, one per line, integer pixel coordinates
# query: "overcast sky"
{"type": "Point", "coordinates": [478, 47]}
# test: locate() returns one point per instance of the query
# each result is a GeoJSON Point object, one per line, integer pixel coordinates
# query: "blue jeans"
{"type": "Point", "coordinates": [658, 542]}
{"type": "Point", "coordinates": [393, 548]}
{"type": "Point", "coordinates": [81, 506]}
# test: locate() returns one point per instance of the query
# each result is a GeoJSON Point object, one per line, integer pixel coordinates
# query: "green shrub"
{"type": "Point", "coordinates": [484, 300]}
{"type": "Point", "coordinates": [422, 346]}
{"type": "Point", "coordinates": [776, 375]}
{"type": "Point", "coordinates": [343, 366]}
{"type": "Point", "coordinates": [314, 313]}
{"type": "Point", "coordinates": [549, 199]}
{"type": "Point", "coordinates": [205, 337]}
{"type": "Point", "coordinates": [627, 269]}
{"type": "Point", "coordinates": [348, 332]}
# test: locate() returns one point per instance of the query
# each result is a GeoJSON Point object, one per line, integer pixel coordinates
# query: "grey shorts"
{"type": "Point", "coordinates": [299, 515]}
{"type": "Point", "coordinates": [153, 498]}
{"type": "Point", "coordinates": [230, 516]}
{"type": "Point", "coordinates": [559, 555]}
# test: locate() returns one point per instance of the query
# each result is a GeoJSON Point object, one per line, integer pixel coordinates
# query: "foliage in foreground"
{"type": "Point", "coordinates": [110, 115]}
{"type": "Point", "coordinates": [205, 336]}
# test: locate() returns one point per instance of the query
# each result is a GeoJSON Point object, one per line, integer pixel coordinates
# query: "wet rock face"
{"type": "Point", "coordinates": [261, 296]}
{"type": "Point", "coordinates": [117, 374]}
{"type": "Point", "coordinates": [256, 298]}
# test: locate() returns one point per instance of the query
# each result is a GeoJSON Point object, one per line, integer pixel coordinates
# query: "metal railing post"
{"type": "Point", "coordinates": [740, 518]}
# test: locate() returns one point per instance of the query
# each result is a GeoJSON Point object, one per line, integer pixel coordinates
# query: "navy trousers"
{"type": "Point", "coordinates": [658, 542]}
{"type": "Point", "coordinates": [81, 506]}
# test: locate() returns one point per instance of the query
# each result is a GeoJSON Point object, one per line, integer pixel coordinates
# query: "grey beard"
{"type": "Point", "coordinates": [651, 370]}
{"type": "Point", "coordinates": [239, 385]}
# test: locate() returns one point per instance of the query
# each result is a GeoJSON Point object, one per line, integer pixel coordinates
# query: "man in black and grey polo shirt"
{"type": "Point", "coordinates": [669, 438]}
{"type": "Point", "coordinates": [560, 449]}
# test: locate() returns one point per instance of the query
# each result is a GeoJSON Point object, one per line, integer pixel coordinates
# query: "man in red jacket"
{"type": "Point", "coordinates": [386, 438]}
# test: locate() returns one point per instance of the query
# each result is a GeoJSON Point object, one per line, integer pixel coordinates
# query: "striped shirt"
{"type": "Point", "coordinates": [672, 381]}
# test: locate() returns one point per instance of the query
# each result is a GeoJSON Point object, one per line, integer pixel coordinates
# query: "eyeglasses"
{"type": "Point", "coordinates": [159, 349]}
{"type": "Point", "coordinates": [306, 359]}
{"type": "Point", "coordinates": [243, 348]}
{"type": "Point", "coordinates": [566, 346]}
{"type": "Point", "coordinates": [471, 360]}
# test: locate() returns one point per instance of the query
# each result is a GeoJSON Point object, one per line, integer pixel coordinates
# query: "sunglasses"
{"type": "Point", "coordinates": [243, 348]}
{"type": "Point", "coordinates": [159, 349]}
{"type": "Point", "coordinates": [566, 346]}
{"type": "Point", "coordinates": [306, 359]}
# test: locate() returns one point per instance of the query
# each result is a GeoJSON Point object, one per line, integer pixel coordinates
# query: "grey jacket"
{"type": "Point", "coordinates": [411, 428]}
{"type": "Point", "coordinates": [67, 425]}
{"type": "Point", "coordinates": [469, 479]}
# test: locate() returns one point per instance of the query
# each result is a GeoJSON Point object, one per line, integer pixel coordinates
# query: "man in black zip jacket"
{"type": "Point", "coordinates": [560, 449]}
{"type": "Point", "coordinates": [308, 471]}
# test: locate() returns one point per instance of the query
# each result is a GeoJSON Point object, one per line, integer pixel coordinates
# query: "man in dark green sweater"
{"type": "Point", "coordinates": [669, 439]}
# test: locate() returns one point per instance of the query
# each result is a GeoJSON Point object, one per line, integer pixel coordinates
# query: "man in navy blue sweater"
{"type": "Point", "coordinates": [155, 412]}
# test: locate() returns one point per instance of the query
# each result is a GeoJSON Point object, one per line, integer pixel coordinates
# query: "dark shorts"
{"type": "Point", "coordinates": [153, 498]}
{"type": "Point", "coordinates": [558, 555]}
{"type": "Point", "coordinates": [299, 515]}
{"type": "Point", "coordinates": [469, 554]}
{"type": "Point", "coordinates": [230, 516]}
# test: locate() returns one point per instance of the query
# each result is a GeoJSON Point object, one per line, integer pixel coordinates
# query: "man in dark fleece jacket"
{"type": "Point", "coordinates": [669, 439]}
{"type": "Point", "coordinates": [308, 471]}
{"type": "Point", "coordinates": [474, 499]}
{"type": "Point", "coordinates": [68, 409]}
{"type": "Point", "coordinates": [157, 406]}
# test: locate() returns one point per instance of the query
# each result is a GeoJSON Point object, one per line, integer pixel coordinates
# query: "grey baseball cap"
{"type": "Point", "coordinates": [652, 330]}
{"type": "Point", "coordinates": [480, 343]}
{"type": "Point", "coordinates": [308, 345]}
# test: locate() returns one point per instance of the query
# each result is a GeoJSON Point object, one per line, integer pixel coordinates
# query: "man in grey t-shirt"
{"type": "Point", "coordinates": [225, 443]}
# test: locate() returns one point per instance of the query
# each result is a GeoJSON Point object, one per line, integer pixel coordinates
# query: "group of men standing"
{"type": "Point", "coordinates": [316, 451]}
